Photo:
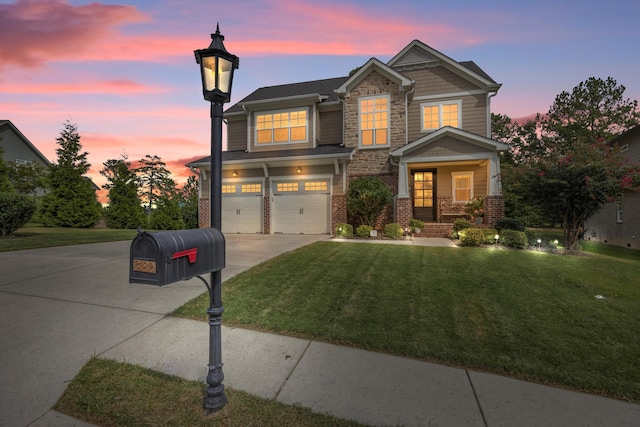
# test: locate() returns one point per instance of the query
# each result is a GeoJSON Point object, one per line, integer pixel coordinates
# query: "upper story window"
{"type": "Point", "coordinates": [438, 114]}
{"type": "Point", "coordinates": [281, 127]}
{"type": "Point", "coordinates": [462, 184]}
{"type": "Point", "coordinates": [374, 121]}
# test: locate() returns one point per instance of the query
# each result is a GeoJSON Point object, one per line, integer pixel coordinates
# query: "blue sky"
{"type": "Point", "coordinates": [125, 73]}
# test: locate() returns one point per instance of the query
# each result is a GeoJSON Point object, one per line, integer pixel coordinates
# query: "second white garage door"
{"type": "Point", "coordinates": [301, 207]}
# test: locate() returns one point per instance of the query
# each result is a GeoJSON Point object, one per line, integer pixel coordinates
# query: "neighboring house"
{"type": "Point", "coordinates": [18, 149]}
{"type": "Point", "coordinates": [618, 223]}
{"type": "Point", "coordinates": [421, 122]}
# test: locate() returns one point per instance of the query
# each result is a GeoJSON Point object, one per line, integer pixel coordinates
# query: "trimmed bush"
{"type": "Point", "coordinates": [489, 235]}
{"type": "Point", "coordinates": [514, 239]}
{"type": "Point", "coordinates": [367, 197]}
{"type": "Point", "coordinates": [393, 231]}
{"type": "Point", "coordinates": [344, 230]}
{"type": "Point", "coordinates": [364, 231]}
{"type": "Point", "coordinates": [471, 237]}
{"type": "Point", "coordinates": [458, 225]}
{"type": "Point", "coordinates": [15, 211]}
{"type": "Point", "coordinates": [509, 224]}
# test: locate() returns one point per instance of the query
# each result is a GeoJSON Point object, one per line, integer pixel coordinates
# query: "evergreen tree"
{"type": "Point", "coordinates": [189, 202]}
{"type": "Point", "coordinates": [155, 181]}
{"type": "Point", "coordinates": [71, 200]}
{"type": "Point", "coordinates": [124, 210]}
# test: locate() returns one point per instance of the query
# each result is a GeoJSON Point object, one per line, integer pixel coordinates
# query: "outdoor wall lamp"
{"type": "Point", "coordinates": [235, 173]}
{"type": "Point", "coordinates": [299, 170]}
{"type": "Point", "coordinates": [216, 71]}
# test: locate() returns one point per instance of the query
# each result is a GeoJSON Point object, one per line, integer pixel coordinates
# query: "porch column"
{"type": "Point", "coordinates": [495, 183]}
{"type": "Point", "coordinates": [403, 180]}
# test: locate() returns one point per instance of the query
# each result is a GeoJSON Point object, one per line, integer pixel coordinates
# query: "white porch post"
{"type": "Point", "coordinates": [495, 183]}
{"type": "Point", "coordinates": [403, 180]}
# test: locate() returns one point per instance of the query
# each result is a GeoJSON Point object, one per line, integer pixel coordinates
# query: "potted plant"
{"type": "Point", "coordinates": [475, 209]}
{"type": "Point", "coordinates": [416, 224]}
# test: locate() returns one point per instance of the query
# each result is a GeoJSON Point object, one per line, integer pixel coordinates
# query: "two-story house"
{"type": "Point", "coordinates": [421, 122]}
{"type": "Point", "coordinates": [618, 223]}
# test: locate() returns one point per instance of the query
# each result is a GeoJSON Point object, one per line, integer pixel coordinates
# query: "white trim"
{"type": "Point", "coordinates": [440, 104]}
{"type": "Point", "coordinates": [619, 212]}
{"type": "Point", "coordinates": [374, 145]}
{"type": "Point", "coordinates": [445, 96]}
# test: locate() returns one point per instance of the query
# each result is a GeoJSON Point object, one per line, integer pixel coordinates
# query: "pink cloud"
{"type": "Point", "coordinates": [112, 87]}
{"type": "Point", "coordinates": [35, 31]}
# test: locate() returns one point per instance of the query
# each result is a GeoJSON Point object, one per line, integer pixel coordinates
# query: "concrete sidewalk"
{"type": "Point", "coordinates": [60, 306]}
{"type": "Point", "coordinates": [372, 388]}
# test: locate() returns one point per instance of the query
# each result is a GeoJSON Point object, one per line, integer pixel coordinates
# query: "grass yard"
{"type": "Point", "coordinates": [109, 393]}
{"type": "Point", "coordinates": [34, 236]}
{"type": "Point", "coordinates": [530, 315]}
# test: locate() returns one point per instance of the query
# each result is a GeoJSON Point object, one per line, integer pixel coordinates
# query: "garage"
{"type": "Point", "coordinates": [301, 207]}
{"type": "Point", "coordinates": [242, 207]}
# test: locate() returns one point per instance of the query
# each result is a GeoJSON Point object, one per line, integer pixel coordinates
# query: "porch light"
{"type": "Point", "coordinates": [299, 170]}
{"type": "Point", "coordinates": [235, 173]}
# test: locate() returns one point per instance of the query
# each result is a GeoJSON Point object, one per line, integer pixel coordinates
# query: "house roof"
{"type": "Point", "coordinates": [374, 65]}
{"type": "Point", "coordinates": [324, 88]}
{"type": "Point", "coordinates": [26, 141]}
{"type": "Point", "coordinates": [460, 134]}
{"type": "Point", "coordinates": [320, 153]}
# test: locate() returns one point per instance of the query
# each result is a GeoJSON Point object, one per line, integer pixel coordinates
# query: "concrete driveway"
{"type": "Point", "coordinates": [60, 306]}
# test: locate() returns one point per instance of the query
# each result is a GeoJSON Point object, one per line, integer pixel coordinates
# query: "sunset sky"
{"type": "Point", "coordinates": [125, 73]}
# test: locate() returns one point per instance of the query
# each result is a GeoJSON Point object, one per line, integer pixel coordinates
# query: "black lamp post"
{"type": "Point", "coordinates": [216, 69]}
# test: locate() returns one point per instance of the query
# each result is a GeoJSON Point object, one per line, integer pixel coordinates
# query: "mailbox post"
{"type": "Point", "coordinates": [216, 71]}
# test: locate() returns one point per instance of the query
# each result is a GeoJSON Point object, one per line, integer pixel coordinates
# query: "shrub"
{"type": "Point", "coordinates": [471, 237]}
{"type": "Point", "coordinates": [393, 231]}
{"type": "Point", "coordinates": [509, 224]}
{"type": "Point", "coordinates": [15, 211]}
{"type": "Point", "coordinates": [514, 239]}
{"type": "Point", "coordinates": [416, 223]}
{"type": "Point", "coordinates": [489, 235]}
{"type": "Point", "coordinates": [367, 197]}
{"type": "Point", "coordinates": [364, 230]}
{"type": "Point", "coordinates": [344, 230]}
{"type": "Point", "coordinates": [458, 225]}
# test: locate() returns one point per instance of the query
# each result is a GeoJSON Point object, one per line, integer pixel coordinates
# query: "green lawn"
{"type": "Point", "coordinates": [526, 314]}
{"type": "Point", "coordinates": [34, 236]}
{"type": "Point", "coordinates": [108, 393]}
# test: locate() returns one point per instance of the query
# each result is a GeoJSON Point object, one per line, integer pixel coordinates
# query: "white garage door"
{"type": "Point", "coordinates": [242, 208]}
{"type": "Point", "coordinates": [301, 207]}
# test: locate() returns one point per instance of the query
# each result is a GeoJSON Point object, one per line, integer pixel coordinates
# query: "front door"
{"type": "Point", "coordinates": [424, 195]}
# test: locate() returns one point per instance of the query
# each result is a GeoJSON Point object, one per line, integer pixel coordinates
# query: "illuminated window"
{"type": "Point", "coordinates": [437, 115]}
{"type": "Point", "coordinates": [423, 189]}
{"type": "Point", "coordinates": [315, 186]}
{"type": "Point", "coordinates": [281, 127]}
{"type": "Point", "coordinates": [228, 188]}
{"type": "Point", "coordinates": [251, 188]}
{"type": "Point", "coordinates": [374, 121]}
{"type": "Point", "coordinates": [286, 187]}
{"type": "Point", "coordinates": [462, 184]}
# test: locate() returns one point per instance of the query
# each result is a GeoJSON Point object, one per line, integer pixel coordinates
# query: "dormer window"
{"type": "Point", "coordinates": [439, 114]}
{"type": "Point", "coordinates": [281, 127]}
{"type": "Point", "coordinates": [374, 121]}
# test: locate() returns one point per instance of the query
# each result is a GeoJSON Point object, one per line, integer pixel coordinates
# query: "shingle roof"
{"type": "Point", "coordinates": [470, 65]}
{"type": "Point", "coordinates": [322, 150]}
{"type": "Point", "coordinates": [323, 87]}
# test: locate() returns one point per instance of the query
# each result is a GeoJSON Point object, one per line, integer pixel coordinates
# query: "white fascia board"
{"type": "Point", "coordinates": [454, 132]}
{"type": "Point", "coordinates": [272, 103]}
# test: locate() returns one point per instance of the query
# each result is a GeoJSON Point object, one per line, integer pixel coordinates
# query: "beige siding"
{"type": "Point", "coordinates": [437, 80]}
{"type": "Point", "coordinates": [474, 114]}
{"type": "Point", "coordinates": [447, 146]}
{"type": "Point", "coordinates": [237, 135]}
{"type": "Point", "coordinates": [330, 128]}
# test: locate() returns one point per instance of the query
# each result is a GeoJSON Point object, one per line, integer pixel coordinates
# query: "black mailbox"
{"type": "Point", "coordinates": [171, 256]}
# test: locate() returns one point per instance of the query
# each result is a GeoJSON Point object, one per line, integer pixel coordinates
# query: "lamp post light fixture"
{"type": "Point", "coordinates": [216, 70]}
{"type": "Point", "coordinates": [496, 238]}
{"type": "Point", "coordinates": [539, 242]}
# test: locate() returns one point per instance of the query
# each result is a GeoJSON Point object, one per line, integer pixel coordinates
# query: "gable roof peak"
{"type": "Point", "coordinates": [371, 65]}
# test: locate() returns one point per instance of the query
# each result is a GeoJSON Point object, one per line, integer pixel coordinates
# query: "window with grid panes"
{"type": "Point", "coordinates": [374, 121]}
{"type": "Point", "coordinates": [281, 127]}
